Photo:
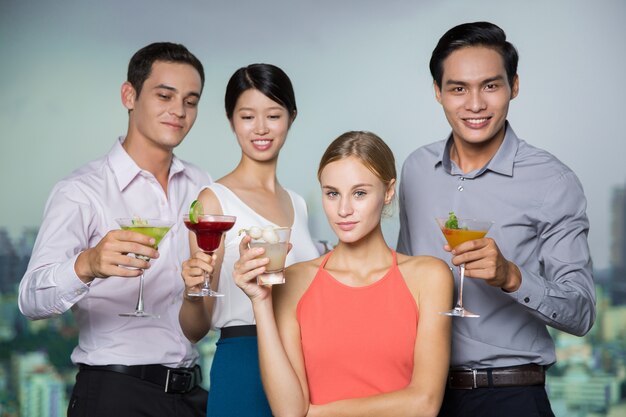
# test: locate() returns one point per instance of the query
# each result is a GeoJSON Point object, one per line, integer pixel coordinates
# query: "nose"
{"type": "Point", "coordinates": [345, 207]}
{"type": "Point", "coordinates": [177, 108]}
{"type": "Point", "coordinates": [260, 126]}
{"type": "Point", "coordinates": [475, 102]}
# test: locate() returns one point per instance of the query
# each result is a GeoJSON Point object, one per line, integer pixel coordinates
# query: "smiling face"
{"type": "Point", "coordinates": [475, 96]}
{"type": "Point", "coordinates": [166, 109]}
{"type": "Point", "coordinates": [260, 124]}
{"type": "Point", "coordinates": [353, 198]}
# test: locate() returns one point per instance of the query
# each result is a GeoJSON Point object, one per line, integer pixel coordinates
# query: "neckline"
{"type": "Point", "coordinates": [269, 222]}
{"type": "Point", "coordinates": [394, 266]}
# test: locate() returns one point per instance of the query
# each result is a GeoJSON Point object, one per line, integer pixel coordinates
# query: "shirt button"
{"type": "Point", "coordinates": [527, 299]}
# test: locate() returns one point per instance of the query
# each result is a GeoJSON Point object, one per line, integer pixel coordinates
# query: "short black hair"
{"type": "Point", "coordinates": [268, 79]}
{"type": "Point", "coordinates": [474, 34]}
{"type": "Point", "coordinates": [140, 65]}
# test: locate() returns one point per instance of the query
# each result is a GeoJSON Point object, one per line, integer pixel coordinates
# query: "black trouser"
{"type": "Point", "coordinates": [111, 394]}
{"type": "Point", "coordinates": [528, 401]}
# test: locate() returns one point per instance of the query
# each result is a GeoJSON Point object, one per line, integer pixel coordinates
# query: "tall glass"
{"type": "Point", "coordinates": [468, 229]}
{"type": "Point", "coordinates": [156, 229]}
{"type": "Point", "coordinates": [209, 229]}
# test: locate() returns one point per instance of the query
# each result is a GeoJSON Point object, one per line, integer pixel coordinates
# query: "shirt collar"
{"type": "Point", "coordinates": [502, 162]}
{"type": "Point", "coordinates": [126, 169]}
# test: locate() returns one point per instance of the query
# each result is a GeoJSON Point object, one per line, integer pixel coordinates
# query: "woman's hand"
{"type": "Point", "coordinates": [194, 270]}
{"type": "Point", "coordinates": [248, 268]}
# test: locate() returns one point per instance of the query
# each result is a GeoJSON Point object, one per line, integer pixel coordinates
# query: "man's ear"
{"type": "Point", "coordinates": [515, 87]}
{"type": "Point", "coordinates": [128, 95]}
{"type": "Point", "coordinates": [437, 91]}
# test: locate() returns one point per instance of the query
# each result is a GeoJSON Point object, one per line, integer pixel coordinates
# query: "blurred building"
{"type": "Point", "coordinates": [618, 246]}
{"type": "Point", "coordinates": [40, 389]}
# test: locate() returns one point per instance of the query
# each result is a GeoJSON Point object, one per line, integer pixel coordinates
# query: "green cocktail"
{"type": "Point", "coordinates": [156, 229]}
{"type": "Point", "coordinates": [157, 233]}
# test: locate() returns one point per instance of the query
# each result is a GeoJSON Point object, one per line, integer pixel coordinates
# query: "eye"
{"type": "Point", "coordinates": [246, 117]}
{"type": "Point", "coordinates": [360, 194]}
{"type": "Point", "coordinates": [331, 194]}
{"type": "Point", "coordinates": [491, 86]}
{"type": "Point", "coordinates": [191, 103]}
{"type": "Point", "coordinates": [274, 116]}
{"type": "Point", "coordinates": [164, 96]}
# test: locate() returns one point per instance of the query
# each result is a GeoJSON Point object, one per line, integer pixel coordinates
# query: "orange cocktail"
{"type": "Point", "coordinates": [457, 231]}
{"type": "Point", "coordinates": [457, 236]}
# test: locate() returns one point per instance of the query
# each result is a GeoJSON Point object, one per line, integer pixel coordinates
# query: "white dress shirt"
{"type": "Point", "coordinates": [80, 211]}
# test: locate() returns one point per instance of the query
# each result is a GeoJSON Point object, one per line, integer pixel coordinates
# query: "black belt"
{"type": "Point", "coordinates": [172, 380]}
{"type": "Point", "coordinates": [237, 331]}
{"type": "Point", "coordinates": [523, 375]}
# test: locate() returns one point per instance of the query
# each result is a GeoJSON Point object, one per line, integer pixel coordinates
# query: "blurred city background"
{"type": "Point", "coordinates": [355, 65]}
{"type": "Point", "coordinates": [36, 375]}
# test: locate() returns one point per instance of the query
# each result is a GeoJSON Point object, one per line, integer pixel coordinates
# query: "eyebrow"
{"type": "Point", "coordinates": [253, 109]}
{"type": "Point", "coordinates": [486, 81]}
{"type": "Point", "coordinates": [170, 88]}
{"type": "Point", "coordinates": [361, 185]}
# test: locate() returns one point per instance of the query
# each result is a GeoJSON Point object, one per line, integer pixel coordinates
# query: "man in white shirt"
{"type": "Point", "coordinates": [128, 365]}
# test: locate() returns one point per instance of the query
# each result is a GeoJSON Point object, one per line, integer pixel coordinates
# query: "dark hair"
{"type": "Point", "coordinates": [268, 79]}
{"type": "Point", "coordinates": [140, 65]}
{"type": "Point", "coordinates": [367, 147]}
{"type": "Point", "coordinates": [474, 34]}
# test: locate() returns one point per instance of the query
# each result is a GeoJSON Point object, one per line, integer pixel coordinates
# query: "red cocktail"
{"type": "Point", "coordinates": [208, 229]}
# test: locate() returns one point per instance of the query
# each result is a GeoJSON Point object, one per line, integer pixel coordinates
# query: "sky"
{"type": "Point", "coordinates": [355, 65]}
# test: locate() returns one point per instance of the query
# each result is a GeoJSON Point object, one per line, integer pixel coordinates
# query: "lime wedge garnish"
{"type": "Point", "coordinates": [195, 211]}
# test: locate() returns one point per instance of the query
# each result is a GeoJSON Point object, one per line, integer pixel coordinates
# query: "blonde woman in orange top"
{"type": "Point", "coordinates": [356, 332]}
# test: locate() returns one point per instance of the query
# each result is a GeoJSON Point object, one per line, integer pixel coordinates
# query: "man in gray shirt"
{"type": "Point", "coordinates": [533, 269]}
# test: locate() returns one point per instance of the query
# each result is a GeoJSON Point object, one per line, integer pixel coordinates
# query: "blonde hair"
{"type": "Point", "coordinates": [370, 149]}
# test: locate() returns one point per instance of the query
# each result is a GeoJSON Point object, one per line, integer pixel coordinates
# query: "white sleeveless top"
{"type": "Point", "coordinates": [235, 308]}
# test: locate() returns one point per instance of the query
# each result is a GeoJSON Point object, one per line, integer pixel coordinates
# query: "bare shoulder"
{"type": "Point", "coordinates": [425, 271]}
{"type": "Point", "coordinates": [210, 202]}
{"type": "Point", "coordinates": [298, 278]}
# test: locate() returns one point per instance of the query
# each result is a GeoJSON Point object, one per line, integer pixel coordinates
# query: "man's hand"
{"type": "Point", "coordinates": [110, 256]}
{"type": "Point", "coordinates": [483, 260]}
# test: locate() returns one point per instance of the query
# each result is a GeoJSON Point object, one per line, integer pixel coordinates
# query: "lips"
{"type": "Point", "coordinates": [262, 144]}
{"type": "Point", "coordinates": [173, 125]}
{"type": "Point", "coordinates": [476, 122]}
{"type": "Point", "coordinates": [347, 226]}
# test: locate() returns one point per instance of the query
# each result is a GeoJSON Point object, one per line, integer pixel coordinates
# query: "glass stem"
{"type": "Point", "coordinates": [459, 303]}
{"type": "Point", "coordinates": [139, 307]}
{"type": "Point", "coordinates": [207, 277]}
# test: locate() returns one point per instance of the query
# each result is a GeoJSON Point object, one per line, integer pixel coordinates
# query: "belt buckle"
{"type": "Point", "coordinates": [460, 384]}
{"type": "Point", "coordinates": [179, 381]}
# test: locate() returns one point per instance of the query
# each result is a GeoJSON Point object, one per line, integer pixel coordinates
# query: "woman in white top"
{"type": "Point", "coordinates": [260, 105]}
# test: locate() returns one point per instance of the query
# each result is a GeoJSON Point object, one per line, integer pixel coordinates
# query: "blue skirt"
{"type": "Point", "coordinates": [236, 389]}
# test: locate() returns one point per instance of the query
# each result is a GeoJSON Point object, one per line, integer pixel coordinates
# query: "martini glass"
{"type": "Point", "coordinates": [156, 229]}
{"type": "Point", "coordinates": [469, 229]}
{"type": "Point", "coordinates": [209, 229]}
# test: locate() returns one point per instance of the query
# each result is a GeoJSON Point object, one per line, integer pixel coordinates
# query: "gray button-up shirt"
{"type": "Point", "coordinates": [538, 208]}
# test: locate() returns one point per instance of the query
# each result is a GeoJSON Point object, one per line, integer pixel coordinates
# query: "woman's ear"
{"type": "Point", "coordinates": [390, 192]}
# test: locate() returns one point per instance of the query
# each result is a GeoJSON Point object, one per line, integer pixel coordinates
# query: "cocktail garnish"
{"type": "Point", "coordinates": [138, 221]}
{"type": "Point", "coordinates": [267, 233]}
{"type": "Point", "coordinates": [195, 211]}
{"type": "Point", "coordinates": [452, 222]}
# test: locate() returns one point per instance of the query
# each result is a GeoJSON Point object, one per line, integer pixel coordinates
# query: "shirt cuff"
{"type": "Point", "coordinates": [531, 293]}
{"type": "Point", "coordinates": [73, 289]}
